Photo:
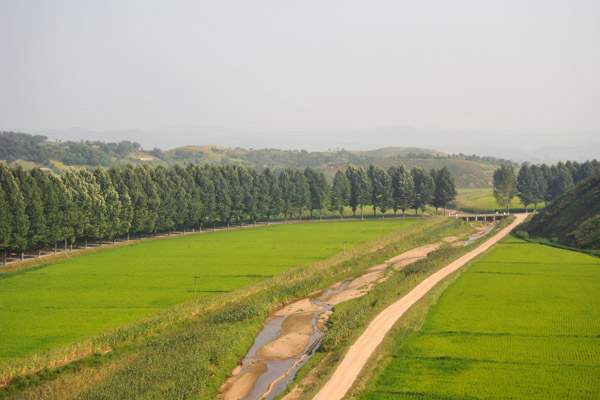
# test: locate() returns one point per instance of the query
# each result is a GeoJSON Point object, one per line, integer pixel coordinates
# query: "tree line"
{"type": "Point", "coordinates": [41, 210]}
{"type": "Point", "coordinates": [535, 184]}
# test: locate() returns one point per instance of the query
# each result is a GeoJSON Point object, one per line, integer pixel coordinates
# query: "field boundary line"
{"type": "Point", "coordinates": [360, 352]}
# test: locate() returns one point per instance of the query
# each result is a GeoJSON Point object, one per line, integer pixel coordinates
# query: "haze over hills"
{"type": "Point", "coordinates": [517, 147]}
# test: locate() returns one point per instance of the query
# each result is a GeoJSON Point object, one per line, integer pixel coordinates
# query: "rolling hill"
{"type": "Point", "coordinates": [29, 151]}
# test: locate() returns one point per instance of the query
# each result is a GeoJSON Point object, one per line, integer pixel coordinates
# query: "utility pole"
{"type": "Point", "coordinates": [195, 282]}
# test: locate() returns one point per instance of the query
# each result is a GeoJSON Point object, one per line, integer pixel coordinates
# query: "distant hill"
{"type": "Point", "coordinates": [573, 219]}
{"type": "Point", "coordinates": [29, 151]}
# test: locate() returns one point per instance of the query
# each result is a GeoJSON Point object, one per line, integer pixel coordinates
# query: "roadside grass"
{"type": "Point", "coordinates": [67, 300]}
{"type": "Point", "coordinates": [350, 318]}
{"type": "Point", "coordinates": [521, 323]}
{"type": "Point", "coordinates": [482, 200]}
{"type": "Point", "coordinates": [179, 357]}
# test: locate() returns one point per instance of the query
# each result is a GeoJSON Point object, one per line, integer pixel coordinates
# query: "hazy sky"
{"type": "Point", "coordinates": [530, 67]}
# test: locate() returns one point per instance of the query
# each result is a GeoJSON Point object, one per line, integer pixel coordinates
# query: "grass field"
{"type": "Point", "coordinates": [522, 323]}
{"type": "Point", "coordinates": [68, 300]}
{"type": "Point", "coordinates": [482, 200]}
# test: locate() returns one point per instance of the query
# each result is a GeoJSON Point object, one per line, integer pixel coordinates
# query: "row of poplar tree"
{"type": "Point", "coordinates": [39, 210]}
{"type": "Point", "coordinates": [535, 184]}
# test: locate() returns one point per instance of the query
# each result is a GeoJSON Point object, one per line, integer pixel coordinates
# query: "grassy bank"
{"type": "Point", "coordinates": [521, 323]}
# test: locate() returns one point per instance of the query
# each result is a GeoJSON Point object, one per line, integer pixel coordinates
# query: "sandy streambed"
{"type": "Point", "coordinates": [292, 334]}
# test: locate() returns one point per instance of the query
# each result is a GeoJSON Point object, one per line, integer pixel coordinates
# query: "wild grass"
{"type": "Point", "coordinates": [522, 323]}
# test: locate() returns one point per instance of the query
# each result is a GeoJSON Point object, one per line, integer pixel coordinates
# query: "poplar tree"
{"type": "Point", "coordinates": [319, 190]}
{"type": "Point", "coordinates": [504, 186]}
{"type": "Point", "coordinates": [151, 197]}
{"type": "Point", "coordinates": [126, 210]}
{"type": "Point", "coordinates": [340, 193]}
{"type": "Point", "coordinates": [275, 205]}
{"type": "Point", "coordinates": [360, 190]}
{"type": "Point", "coordinates": [222, 199]}
{"type": "Point", "coordinates": [15, 205]}
{"type": "Point", "coordinates": [112, 205]}
{"type": "Point", "coordinates": [403, 188]}
{"type": "Point", "coordinates": [287, 189]}
{"type": "Point", "coordinates": [301, 193]}
{"type": "Point", "coordinates": [445, 188]}
{"type": "Point", "coordinates": [424, 189]}
{"type": "Point", "coordinates": [34, 208]}
{"type": "Point", "coordinates": [381, 189]}
{"type": "Point", "coordinates": [539, 186]}
{"type": "Point", "coordinates": [525, 185]}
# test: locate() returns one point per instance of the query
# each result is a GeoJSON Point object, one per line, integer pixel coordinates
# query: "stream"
{"type": "Point", "coordinates": [283, 371]}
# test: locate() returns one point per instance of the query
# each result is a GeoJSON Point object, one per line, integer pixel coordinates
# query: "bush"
{"type": "Point", "coordinates": [521, 234]}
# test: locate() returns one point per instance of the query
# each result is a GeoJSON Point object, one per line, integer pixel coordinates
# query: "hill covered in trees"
{"type": "Point", "coordinates": [469, 171]}
{"type": "Point", "coordinates": [573, 218]}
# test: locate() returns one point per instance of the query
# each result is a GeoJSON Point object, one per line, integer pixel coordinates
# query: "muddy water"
{"type": "Point", "coordinates": [477, 235]}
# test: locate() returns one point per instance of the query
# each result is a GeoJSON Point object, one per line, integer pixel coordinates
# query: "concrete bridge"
{"type": "Point", "coordinates": [479, 217]}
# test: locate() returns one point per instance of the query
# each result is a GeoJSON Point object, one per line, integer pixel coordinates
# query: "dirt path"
{"type": "Point", "coordinates": [345, 374]}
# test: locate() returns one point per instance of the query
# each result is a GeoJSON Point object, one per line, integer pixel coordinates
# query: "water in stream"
{"type": "Point", "coordinates": [278, 368]}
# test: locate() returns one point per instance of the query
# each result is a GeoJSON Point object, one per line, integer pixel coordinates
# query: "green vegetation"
{"type": "Point", "coordinates": [187, 350]}
{"type": "Point", "coordinates": [112, 287]}
{"type": "Point", "coordinates": [521, 323]}
{"type": "Point", "coordinates": [573, 219]}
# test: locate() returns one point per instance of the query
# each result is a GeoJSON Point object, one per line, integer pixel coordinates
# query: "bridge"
{"type": "Point", "coordinates": [479, 217]}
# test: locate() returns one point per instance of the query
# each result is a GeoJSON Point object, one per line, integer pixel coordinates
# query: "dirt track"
{"type": "Point", "coordinates": [346, 373]}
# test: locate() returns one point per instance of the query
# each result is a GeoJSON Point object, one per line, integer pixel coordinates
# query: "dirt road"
{"type": "Point", "coordinates": [359, 353]}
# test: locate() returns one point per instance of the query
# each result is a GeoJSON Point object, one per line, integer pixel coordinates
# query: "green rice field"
{"type": "Point", "coordinates": [482, 200]}
{"type": "Point", "coordinates": [522, 323]}
{"type": "Point", "coordinates": [68, 300]}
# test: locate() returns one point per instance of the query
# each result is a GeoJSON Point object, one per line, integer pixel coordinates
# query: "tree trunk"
{"type": "Point", "coordinates": [65, 246]}
{"type": "Point", "coordinates": [361, 214]}
{"type": "Point", "coordinates": [22, 256]}
{"type": "Point", "coordinates": [299, 214]}
{"type": "Point", "coordinates": [227, 224]}
{"type": "Point", "coordinates": [85, 243]}
{"type": "Point", "coordinates": [100, 243]}
{"type": "Point", "coordinates": [321, 214]}
{"type": "Point", "coordinates": [4, 258]}
{"type": "Point", "coordinates": [114, 240]}
{"type": "Point", "coordinates": [444, 211]}
{"type": "Point", "coordinates": [128, 236]}
{"type": "Point", "coordinates": [39, 253]}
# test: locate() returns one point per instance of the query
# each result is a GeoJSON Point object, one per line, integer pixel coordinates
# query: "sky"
{"type": "Point", "coordinates": [500, 67]}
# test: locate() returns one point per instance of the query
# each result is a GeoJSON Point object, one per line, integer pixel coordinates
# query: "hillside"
{"type": "Point", "coordinates": [469, 171]}
{"type": "Point", "coordinates": [573, 219]}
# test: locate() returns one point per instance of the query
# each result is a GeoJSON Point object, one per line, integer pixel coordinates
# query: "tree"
{"type": "Point", "coordinates": [445, 188]}
{"type": "Point", "coordinates": [167, 210]}
{"type": "Point", "coordinates": [424, 189]}
{"type": "Point", "coordinates": [381, 189]}
{"type": "Point", "coordinates": [562, 180]}
{"type": "Point", "coordinates": [403, 188]}
{"type": "Point", "coordinates": [34, 208]}
{"type": "Point", "coordinates": [525, 185]}
{"type": "Point", "coordinates": [287, 189]}
{"type": "Point", "coordinates": [360, 191]}
{"type": "Point", "coordinates": [504, 186]}
{"type": "Point", "coordinates": [275, 201]}
{"type": "Point", "coordinates": [126, 211]}
{"type": "Point", "coordinates": [301, 193]}
{"type": "Point", "coordinates": [15, 207]}
{"type": "Point", "coordinates": [340, 193]}
{"type": "Point", "coordinates": [152, 200]}
{"type": "Point", "coordinates": [206, 193]}
{"type": "Point", "coordinates": [112, 204]}
{"type": "Point", "coordinates": [539, 187]}
{"type": "Point", "coordinates": [139, 200]}
{"type": "Point", "coordinates": [222, 199]}
{"type": "Point", "coordinates": [249, 199]}
{"type": "Point", "coordinates": [319, 190]}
